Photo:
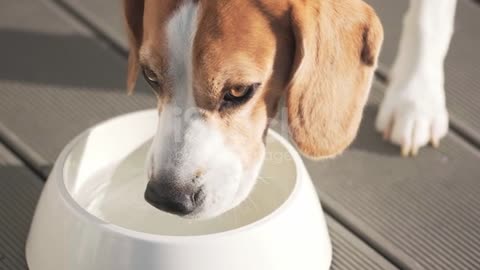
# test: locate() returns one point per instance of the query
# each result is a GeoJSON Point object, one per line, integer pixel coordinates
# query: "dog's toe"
{"type": "Point", "coordinates": [411, 124]}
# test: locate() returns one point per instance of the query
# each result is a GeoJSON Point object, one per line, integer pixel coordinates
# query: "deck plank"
{"type": "Point", "coordinates": [56, 79]}
{"type": "Point", "coordinates": [19, 192]}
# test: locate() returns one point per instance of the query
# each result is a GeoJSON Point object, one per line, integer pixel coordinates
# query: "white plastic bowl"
{"type": "Point", "coordinates": [285, 228]}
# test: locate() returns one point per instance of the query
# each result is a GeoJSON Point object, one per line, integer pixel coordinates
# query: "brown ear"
{"type": "Point", "coordinates": [337, 46]}
{"type": "Point", "coordinates": [134, 23]}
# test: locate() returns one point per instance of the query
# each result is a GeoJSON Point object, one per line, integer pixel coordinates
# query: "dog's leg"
{"type": "Point", "coordinates": [413, 111]}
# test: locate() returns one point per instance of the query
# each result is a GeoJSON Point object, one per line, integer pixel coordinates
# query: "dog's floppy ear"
{"type": "Point", "coordinates": [134, 22]}
{"type": "Point", "coordinates": [337, 46]}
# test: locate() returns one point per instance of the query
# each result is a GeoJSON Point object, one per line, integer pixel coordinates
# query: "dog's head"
{"type": "Point", "coordinates": [219, 68]}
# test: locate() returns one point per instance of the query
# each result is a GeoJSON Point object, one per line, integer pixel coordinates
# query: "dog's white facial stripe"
{"type": "Point", "coordinates": [186, 143]}
{"type": "Point", "coordinates": [181, 30]}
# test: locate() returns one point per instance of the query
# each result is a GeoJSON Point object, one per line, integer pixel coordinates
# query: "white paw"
{"type": "Point", "coordinates": [412, 115]}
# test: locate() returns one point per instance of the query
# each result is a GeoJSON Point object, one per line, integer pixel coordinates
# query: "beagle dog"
{"type": "Point", "coordinates": [219, 69]}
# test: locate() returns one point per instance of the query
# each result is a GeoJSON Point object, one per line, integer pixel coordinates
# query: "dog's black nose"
{"type": "Point", "coordinates": [173, 199]}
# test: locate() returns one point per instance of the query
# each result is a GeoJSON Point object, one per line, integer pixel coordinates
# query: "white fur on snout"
{"type": "Point", "coordinates": [196, 148]}
{"type": "Point", "coordinates": [187, 145]}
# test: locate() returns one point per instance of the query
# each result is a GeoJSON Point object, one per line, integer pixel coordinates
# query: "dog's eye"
{"type": "Point", "coordinates": [150, 77]}
{"type": "Point", "coordinates": [240, 94]}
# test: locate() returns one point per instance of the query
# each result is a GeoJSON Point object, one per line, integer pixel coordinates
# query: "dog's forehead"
{"type": "Point", "coordinates": [235, 39]}
{"type": "Point", "coordinates": [208, 44]}
{"type": "Point", "coordinates": [233, 22]}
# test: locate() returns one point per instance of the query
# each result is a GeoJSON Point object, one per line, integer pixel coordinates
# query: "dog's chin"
{"type": "Point", "coordinates": [206, 212]}
{"type": "Point", "coordinates": [221, 206]}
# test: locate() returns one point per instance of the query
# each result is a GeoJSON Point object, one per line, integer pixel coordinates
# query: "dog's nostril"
{"type": "Point", "coordinates": [197, 175]}
{"type": "Point", "coordinates": [198, 197]}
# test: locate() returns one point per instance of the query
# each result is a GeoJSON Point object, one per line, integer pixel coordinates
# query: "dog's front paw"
{"type": "Point", "coordinates": [412, 115]}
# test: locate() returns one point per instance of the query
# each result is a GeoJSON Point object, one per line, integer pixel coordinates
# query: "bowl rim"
{"type": "Point", "coordinates": [59, 176]}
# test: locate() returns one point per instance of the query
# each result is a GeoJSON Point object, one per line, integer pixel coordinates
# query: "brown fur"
{"type": "Point", "coordinates": [134, 23]}
{"type": "Point", "coordinates": [320, 54]}
{"type": "Point", "coordinates": [331, 81]}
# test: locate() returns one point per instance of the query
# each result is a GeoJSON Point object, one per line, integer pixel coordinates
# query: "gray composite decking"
{"type": "Point", "coordinates": [62, 76]}
{"type": "Point", "coordinates": [19, 191]}
{"type": "Point", "coordinates": [56, 79]}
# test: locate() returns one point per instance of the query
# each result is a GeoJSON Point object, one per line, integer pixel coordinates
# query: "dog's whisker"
{"type": "Point", "coordinates": [265, 180]}
{"type": "Point", "coordinates": [252, 202]}
{"type": "Point", "coordinates": [235, 214]}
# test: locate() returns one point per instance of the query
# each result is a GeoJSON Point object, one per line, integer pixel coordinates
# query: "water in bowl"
{"type": "Point", "coordinates": [115, 195]}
